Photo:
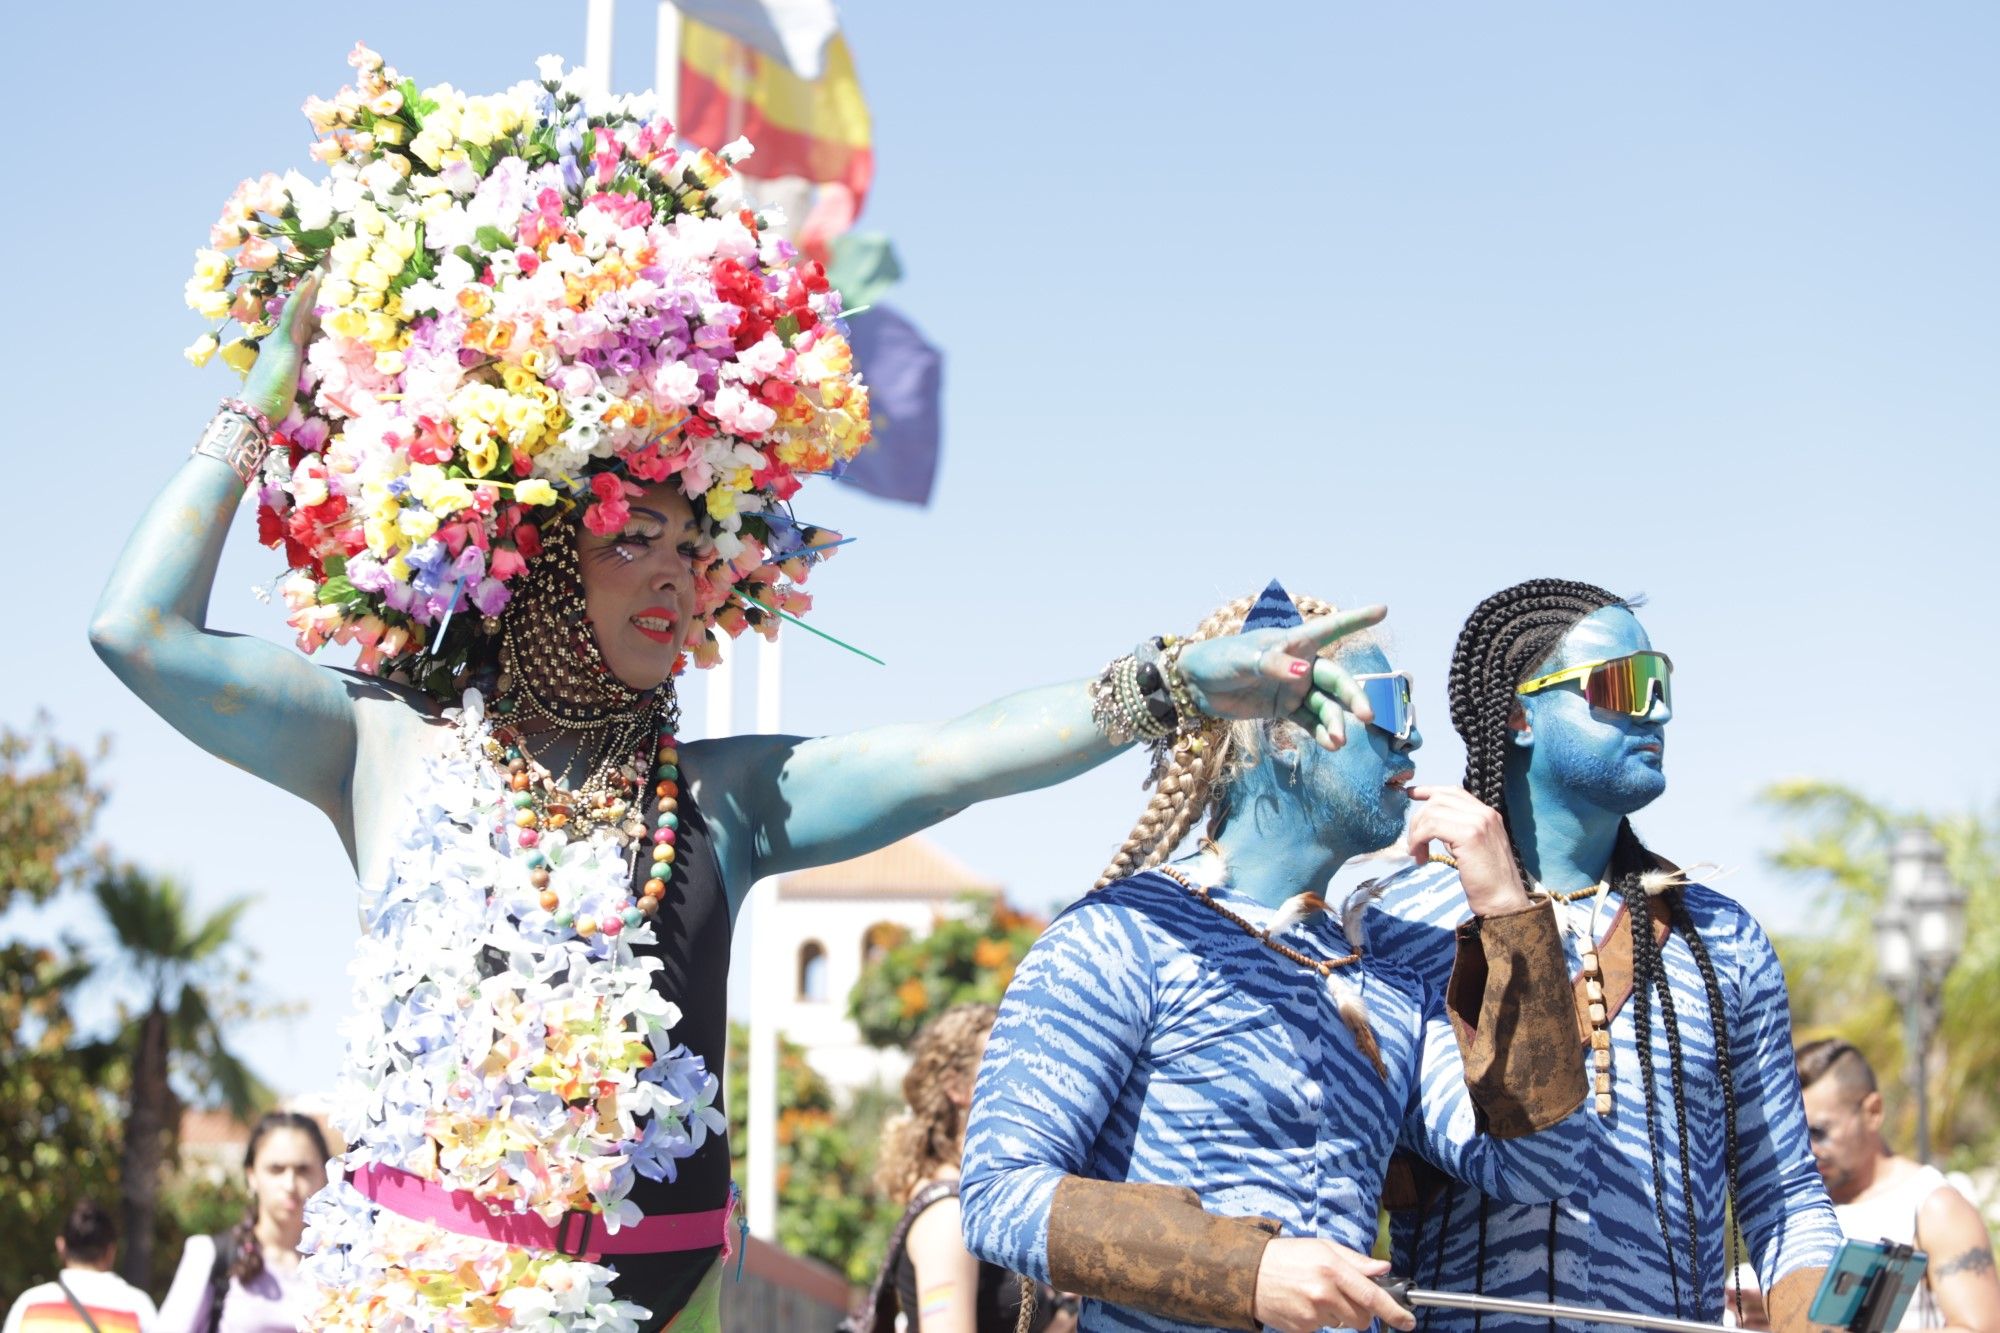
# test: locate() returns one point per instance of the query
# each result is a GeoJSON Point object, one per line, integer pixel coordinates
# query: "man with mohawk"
{"type": "Point", "coordinates": [1198, 1074]}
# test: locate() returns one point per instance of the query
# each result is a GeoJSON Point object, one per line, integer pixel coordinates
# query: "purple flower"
{"type": "Point", "coordinates": [490, 597]}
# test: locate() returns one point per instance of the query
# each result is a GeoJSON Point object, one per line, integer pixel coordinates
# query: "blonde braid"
{"type": "Point", "coordinates": [1189, 786]}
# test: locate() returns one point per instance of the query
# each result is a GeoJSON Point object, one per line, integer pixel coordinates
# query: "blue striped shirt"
{"type": "Point", "coordinates": [1607, 1247]}
{"type": "Point", "coordinates": [1147, 1038]}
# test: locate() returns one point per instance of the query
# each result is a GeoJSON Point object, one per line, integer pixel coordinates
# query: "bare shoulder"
{"type": "Point", "coordinates": [1947, 1223]}
{"type": "Point", "coordinates": [936, 1235]}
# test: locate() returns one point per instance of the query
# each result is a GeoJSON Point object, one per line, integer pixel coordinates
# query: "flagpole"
{"type": "Point", "coordinates": [667, 62]}
{"type": "Point", "coordinates": [768, 979]}
{"type": "Point", "coordinates": [597, 47]}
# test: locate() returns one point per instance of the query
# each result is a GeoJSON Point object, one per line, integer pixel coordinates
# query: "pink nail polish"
{"type": "Point", "coordinates": [1299, 668]}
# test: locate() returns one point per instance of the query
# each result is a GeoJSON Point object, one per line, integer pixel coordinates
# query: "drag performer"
{"type": "Point", "coordinates": [534, 461]}
{"type": "Point", "coordinates": [1198, 1073]}
{"type": "Point", "coordinates": [1563, 704]}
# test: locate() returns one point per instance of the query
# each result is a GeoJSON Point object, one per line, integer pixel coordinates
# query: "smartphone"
{"type": "Point", "coordinates": [1868, 1286]}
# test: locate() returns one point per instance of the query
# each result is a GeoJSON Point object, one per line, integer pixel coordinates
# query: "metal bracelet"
{"type": "Point", "coordinates": [233, 437]}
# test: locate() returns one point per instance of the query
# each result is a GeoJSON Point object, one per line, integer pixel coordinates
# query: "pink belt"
{"type": "Point", "coordinates": [576, 1236]}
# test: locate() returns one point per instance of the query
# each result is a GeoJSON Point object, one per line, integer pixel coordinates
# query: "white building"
{"type": "Point", "coordinates": [830, 921]}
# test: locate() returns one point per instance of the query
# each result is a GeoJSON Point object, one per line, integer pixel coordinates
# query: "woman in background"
{"type": "Point", "coordinates": [939, 1285]}
{"type": "Point", "coordinates": [247, 1280]}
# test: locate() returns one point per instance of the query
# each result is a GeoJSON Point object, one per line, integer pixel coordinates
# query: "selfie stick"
{"type": "Point", "coordinates": [1410, 1297]}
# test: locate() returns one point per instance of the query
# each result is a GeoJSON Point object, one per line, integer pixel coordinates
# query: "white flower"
{"type": "Point", "coordinates": [549, 68]}
{"type": "Point", "coordinates": [736, 150]}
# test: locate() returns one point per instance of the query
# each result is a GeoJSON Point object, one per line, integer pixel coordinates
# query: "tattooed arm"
{"type": "Point", "coordinates": [1961, 1274]}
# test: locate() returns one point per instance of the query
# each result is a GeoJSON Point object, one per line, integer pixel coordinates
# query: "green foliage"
{"type": "Point", "coordinates": [58, 1128]}
{"type": "Point", "coordinates": [827, 1205]}
{"type": "Point", "coordinates": [1840, 842]}
{"type": "Point", "coordinates": [67, 1100]}
{"type": "Point", "coordinates": [964, 960]}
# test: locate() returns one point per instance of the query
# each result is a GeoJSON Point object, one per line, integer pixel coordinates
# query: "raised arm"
{"type": "Point", "coordinates": [795, 802]}
{"type": "Point", "coordinates": [261, 707]}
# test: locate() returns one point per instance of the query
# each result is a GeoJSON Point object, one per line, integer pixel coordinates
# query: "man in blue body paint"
{"type": "Point", "coordinates": [1563, 704]}
{"type": "Point", "coordinates": [1197, 1076]}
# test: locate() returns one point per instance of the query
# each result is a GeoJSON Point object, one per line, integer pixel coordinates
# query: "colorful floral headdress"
{"type": "Point", "coordinates": [529, 304]}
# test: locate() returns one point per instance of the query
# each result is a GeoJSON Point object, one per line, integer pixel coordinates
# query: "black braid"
{"type": "Point", "coordinates": [1720, 1022]}
{"type": "Point", "coordinates": [1551, 1298]}
{"type": "Point", "coordinates": [1444, 1229]}
{"type": "Point", "coordinates": [1504, 639]}
{"type": "Point", "coordinates": [1677, 1070]}
{"type": "Point", "coordinates": [1644, 962]}
{"type": "Point", "coordinates": [1479, 1263]}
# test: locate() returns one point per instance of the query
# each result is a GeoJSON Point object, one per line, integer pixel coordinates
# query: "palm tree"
{"type": "Point", "coordinates": [1841, 840]}
{"type": "Point", "coordinates": [181, 966]}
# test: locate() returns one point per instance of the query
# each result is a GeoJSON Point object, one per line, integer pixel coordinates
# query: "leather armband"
{"type": "Point", "coordinates": [1511, 1009]}
{"type": "Point", "coordinates": [1154, 1248]}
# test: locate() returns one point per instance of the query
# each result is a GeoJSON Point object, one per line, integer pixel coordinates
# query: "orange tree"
{"type": "Point", "coordinates": [964, 959]}
{"type": "Point", "coordinates": [827, 1206]}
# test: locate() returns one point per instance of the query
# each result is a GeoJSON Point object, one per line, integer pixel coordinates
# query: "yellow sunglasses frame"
{"type": "Point", "coordinates": [1582, 670]}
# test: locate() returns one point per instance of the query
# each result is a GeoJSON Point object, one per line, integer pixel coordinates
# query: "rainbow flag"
{"type": "Point", "coordinates": [816, 129]}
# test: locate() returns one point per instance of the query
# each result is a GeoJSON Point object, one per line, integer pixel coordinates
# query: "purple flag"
{"type": "Point", "coordinates": [905, 378]}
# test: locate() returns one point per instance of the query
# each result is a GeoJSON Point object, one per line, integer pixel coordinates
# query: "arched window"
{"type": "Point", "coordinates": [812, 972]}
{"type": "Point", "coordinates": [878, 939]}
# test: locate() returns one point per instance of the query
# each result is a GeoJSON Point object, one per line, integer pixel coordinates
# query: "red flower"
{"type": "Point", "coordinates": [612, 508]}
{"type": "Point", "coordinates": [528, 540]}
{"type": "Point", "coordinates": [270, 526]}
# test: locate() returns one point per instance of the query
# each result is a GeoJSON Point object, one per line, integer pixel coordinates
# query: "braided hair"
{"type": "Point", "coordinates": [1195, 782]}
{"type": "Point", "coordinates": [1506, 639]}
{"type": "Point", "coordinates": [239, 1254]}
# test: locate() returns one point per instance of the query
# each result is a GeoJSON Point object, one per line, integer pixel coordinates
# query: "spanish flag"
{"type": "Point", "coordinates": [816, 129]}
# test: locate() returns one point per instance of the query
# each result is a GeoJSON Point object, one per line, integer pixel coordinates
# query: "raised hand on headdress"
{"type": "Point", "coordinates": [1279, 673]}
{"type": "Point", "coordinates": [274, 377]}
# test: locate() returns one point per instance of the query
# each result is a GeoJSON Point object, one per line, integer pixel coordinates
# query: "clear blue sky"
{"type": "Point", "coordinates": [1400, 303]}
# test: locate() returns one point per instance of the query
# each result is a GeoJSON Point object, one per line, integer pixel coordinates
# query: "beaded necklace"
{"type": "Point", "coordinates": [608, 800]}
{"type": "Point", "coordinates": [1204, 895]}
{"type": "Point", "coordinates": [1593, 985]}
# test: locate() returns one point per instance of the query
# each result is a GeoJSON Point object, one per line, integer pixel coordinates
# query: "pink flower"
{"type": "Point", "coordinates": [613, 506]}
{"type": "Point", "coordinates": [258, 254]}
{"type": "Point", "coordinates": [740, 414]}
{"type": "Point", "coordinates": [507, 563]}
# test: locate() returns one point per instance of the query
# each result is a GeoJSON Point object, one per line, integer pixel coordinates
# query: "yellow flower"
{"type": "Point", "coordinates": [436, 492]}
{"type": "Point", "coordinates": [418, 524]}
{"type": "Point", "coordinates": [347, 322]}
{"type": "Point", "coordinates": [337, 292]}
{"type": "Point", "coordinates": [369, 274]}
{"type": "Point", "coordinates": [349, 251]}
{"type": "Point", "coordinates": [535, 491]}
{"type": "Point", "coordinates": [201, 349]}
{"type": "Point", "coordinates": [239, 356]}
{"type": "Point", "coordinates": [209, 305]}
{"type": "Point", "coordinates": [389, 131]}
{"type": "Point", "coordinates": [381, 329]}
{"type": "Point", "coordinates": [369, 298]}
{"type": "Point", "coordinates": [389, 363]}
{"type": "Point", "coordinates": [481, 452]}
{"type": "Point", "coordinates": [479, 127]}
{"type": "Point", "coordinates": [429, 145]}
{"type": "Point", "coordinates": [211, 269]}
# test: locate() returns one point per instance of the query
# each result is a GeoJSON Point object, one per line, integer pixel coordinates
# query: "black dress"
{"type": "Point", "coordinates": [997, 1303]}
{"type": "Point", "coordinates": [693, 930]}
